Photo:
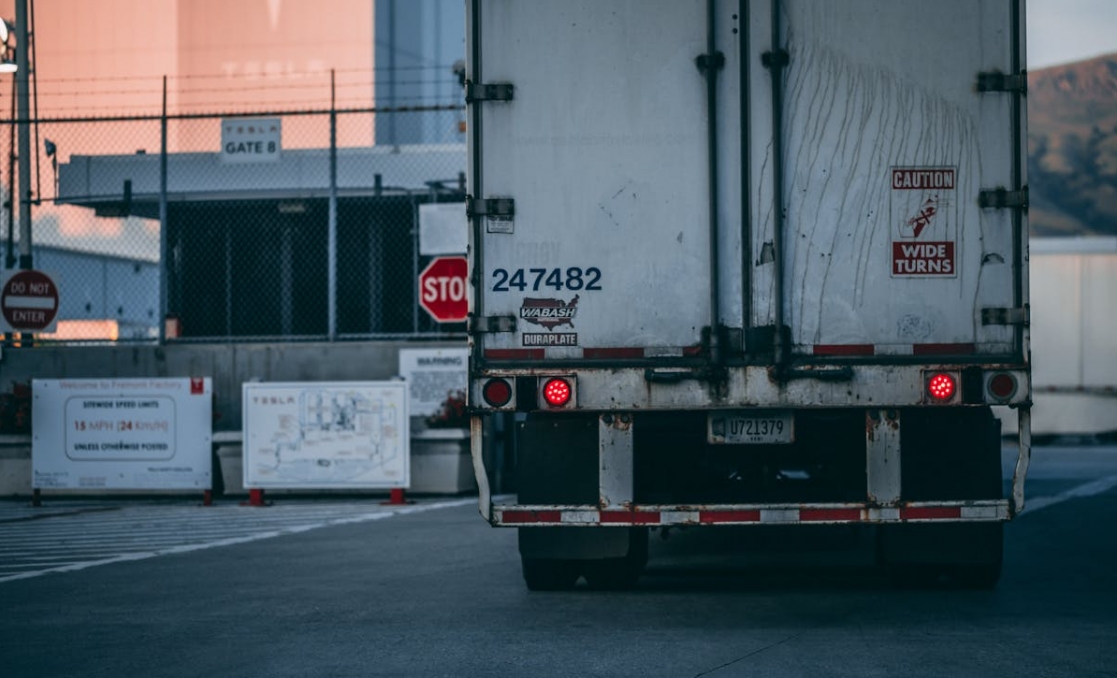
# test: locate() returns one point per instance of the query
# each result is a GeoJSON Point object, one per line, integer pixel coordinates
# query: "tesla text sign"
{"type": "Point", "coordinates": [250, 140]}
{"type": "Point", "coordinates": [349, 434]}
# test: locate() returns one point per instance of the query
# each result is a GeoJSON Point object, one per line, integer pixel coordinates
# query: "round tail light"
{"type": "Point", "coordinates": [1002, 386]}
{"type": "Point", "coordinates": [941, 386]}
{"type": "Point", "coordinates": [497, 392]}
{"type": "Point", "coordinates": [556, 392]}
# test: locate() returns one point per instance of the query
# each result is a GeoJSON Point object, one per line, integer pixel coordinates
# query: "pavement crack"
{"type": "Point", "coordinates": [750, 654]}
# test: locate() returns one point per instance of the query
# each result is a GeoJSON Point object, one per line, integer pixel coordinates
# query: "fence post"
{"type": "Point", "coordinates": [331, 247]}
{"type": "Point", "coordinates": [164, 237]}
{"type": "Point", "coordinates": [415, 244]}
{"type": "Point", "coordinates": [22, 79]}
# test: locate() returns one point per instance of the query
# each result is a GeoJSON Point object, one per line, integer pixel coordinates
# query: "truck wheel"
{"type": "Point", "coordinates": [549, 574]}
{"type": "Point", "coordinates": [614, 574]}
{"type": "Point", "coordinates": [906, 576]}
{"type": "Point", "coordinates": [982, 575]}
{"type": "Point", "coordinates": [978, 577]}
{"type": "Point", "coordinates": [619, 574]}
{"type": "Point", "coordinates": [960, 555]}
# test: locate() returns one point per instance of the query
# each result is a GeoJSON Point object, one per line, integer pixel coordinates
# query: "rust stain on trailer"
{"type": "Point", "coordinates": [872, 421]}
{"type": "Point", "coordinates": [892, 420]}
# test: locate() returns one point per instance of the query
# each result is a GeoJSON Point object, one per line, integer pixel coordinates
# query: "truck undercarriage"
{"type": "Point", "coordinates": [928, 479]}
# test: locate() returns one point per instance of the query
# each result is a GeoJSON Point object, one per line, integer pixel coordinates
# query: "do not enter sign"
{"type": "Point", "coordinates": [29, 302]}
{"type": "Point", "coordinates": [442, 289]}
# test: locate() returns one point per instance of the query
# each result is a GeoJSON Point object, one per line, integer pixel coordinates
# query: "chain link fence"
{"type": "Point", "coordinates": [269, 226]}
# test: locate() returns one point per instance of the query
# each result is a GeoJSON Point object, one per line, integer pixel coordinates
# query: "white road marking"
{"type": "Point", "coordinates": [1090, 489]}
{"type": "Point", "coordinates": [118, 541]}
{"type": "Point", "coordinates": [85, 540]}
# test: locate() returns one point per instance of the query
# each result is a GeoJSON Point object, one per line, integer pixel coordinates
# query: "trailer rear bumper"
{"type": "Point", "coordinates": [617, 507]}
{"type": "Point", "coordinates": [797, 514]}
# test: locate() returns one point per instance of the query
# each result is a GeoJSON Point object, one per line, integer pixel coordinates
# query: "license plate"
{"type": "Point", "coordinates": [754, 428]}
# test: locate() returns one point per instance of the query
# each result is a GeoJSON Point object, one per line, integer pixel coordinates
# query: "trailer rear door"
{"type": "Point", "coordinates": [889, 149]}
{"type": "Point", "coordinates": [859, 184]}
{"type": "Point", "coordinates": [603, 152]}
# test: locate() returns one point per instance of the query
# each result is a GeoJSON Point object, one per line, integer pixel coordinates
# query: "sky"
{"type": "Point", "coordinates": [1061, 31]}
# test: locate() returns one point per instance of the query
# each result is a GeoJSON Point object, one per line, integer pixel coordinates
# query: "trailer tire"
{"type": "Point", "coordinates": [977, 577]}
{"type": "Point", "coordinates": [549, 574]}
{"type": "Point", "coordinates": [960, 555]}
{"type": "Point", "coordinates": [619, 574]}
{"type": "Point", "coordinates": [907, 576]}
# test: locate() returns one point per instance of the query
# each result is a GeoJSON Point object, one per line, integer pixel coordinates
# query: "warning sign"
{"type": "Point", "coordinates": [926, 258]}
{"type": "Point", "coordinates": [924, 223]}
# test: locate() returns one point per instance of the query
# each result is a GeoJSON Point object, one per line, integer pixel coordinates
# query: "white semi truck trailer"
{"type": "Point", "coordinates": [744, 262]}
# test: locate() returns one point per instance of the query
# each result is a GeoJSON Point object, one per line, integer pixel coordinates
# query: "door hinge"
{"type": "Point", "coordinates": [1006, 316]}
{"type": "Point", "coordinates": [716, 61]}
{"type": "Point", "coordinates": [489, 207]}
{"type": "Point", "coordinates": [995, 81]}
{"type": "Point", "coordinates": [498, 213]}
{"type": "Point", "coordinates": [488, 91]}
{"type": "Point", "coordinates": [1002, 198]}
{"type": "Point", "coordinates": [492, 324]}
{"type": "Point", "coordinates": [775, 59]}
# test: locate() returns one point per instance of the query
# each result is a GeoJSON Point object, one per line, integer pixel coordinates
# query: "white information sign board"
{"type": "Point", "coordinates": [122, 434]}
{"type": "Point", "coordinates": [324, 435]}
{"type": "Point", "coordinates": [443, 228]}
{"type": "Point", "coordinates": [432, 374]}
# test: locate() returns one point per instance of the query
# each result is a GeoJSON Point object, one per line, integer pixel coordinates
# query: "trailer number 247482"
{"type": "Point", "coordinates": [574, 278]}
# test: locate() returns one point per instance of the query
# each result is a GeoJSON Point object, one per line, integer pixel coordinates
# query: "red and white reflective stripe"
{"type": "Point", "coordinates": [838, 350]}
{"type": "Point", "coordinates": [745, 515]}
{"type": "Point", "coordinates": [639, 353]}
{"type": "Point", "coordinates": [514, 354]}
{"type": "Point", "coordinates": [619, 353]}
{"type": "Point", "coordinates": [595, 353]}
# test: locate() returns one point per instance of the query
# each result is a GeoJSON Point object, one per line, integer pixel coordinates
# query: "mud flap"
{"type": "Point", "coordinates": [574, 543]}
{"type": "Point", "coordinates": [610, 559]}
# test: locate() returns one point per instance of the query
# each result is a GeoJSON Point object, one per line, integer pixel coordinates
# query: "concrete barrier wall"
{"type": "Point", "coordinates": [229, 365]}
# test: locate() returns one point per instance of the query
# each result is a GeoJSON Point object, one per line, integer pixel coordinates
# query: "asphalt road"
{"type": "Point", "coordinates": [352, 589]}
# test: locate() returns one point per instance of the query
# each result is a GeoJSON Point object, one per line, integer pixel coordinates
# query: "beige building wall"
{"type": "Point", "coordinates": [107, 58]}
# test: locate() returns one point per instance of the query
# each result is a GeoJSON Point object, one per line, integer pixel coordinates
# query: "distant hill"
{"type": "Point", "coordinates": [1072, 148]}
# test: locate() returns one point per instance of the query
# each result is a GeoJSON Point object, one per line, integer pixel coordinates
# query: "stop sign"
{"type": "Point", "coordinates": [442, 289]}
{"type": "Point", "coordinates": [29, 302]}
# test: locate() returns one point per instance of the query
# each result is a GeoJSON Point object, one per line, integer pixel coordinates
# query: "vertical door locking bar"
{"type": "Point", "coordinates": [776, 61]}
{"type": "Point", "coordinates": [709, 64]}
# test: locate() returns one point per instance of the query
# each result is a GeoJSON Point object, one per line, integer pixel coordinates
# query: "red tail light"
{"type": "Point", "coordinates": [497, 392]}
{"type": "Point", "coordinates": [941, 387]}
{"type": "Point", "coordinates": [1002, 386]}
{"type": "Point", "coordinates": [556, 392]}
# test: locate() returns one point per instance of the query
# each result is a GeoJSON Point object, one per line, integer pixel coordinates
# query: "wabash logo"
{"type": "Point", "coordinates": [549, 313]}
